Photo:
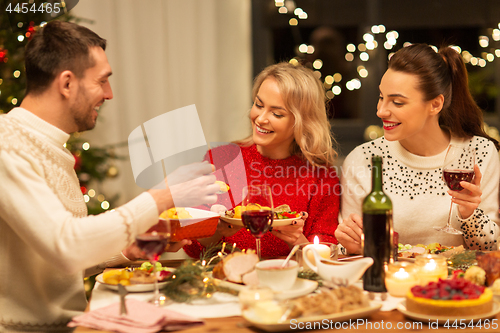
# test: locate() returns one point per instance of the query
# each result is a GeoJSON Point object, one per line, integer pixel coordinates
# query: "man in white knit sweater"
{"type": "Point", "coordinates": [46, 238]}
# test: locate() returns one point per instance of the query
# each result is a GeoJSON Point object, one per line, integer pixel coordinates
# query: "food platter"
{"type": "Point", "coordinates": [294, 324]}
{"type": "Point", "coordinates": [133, 288]}
{"type": "Point", "coordinates": [444, 319]}
{"type": "Point", "coordinates": [276, 222]}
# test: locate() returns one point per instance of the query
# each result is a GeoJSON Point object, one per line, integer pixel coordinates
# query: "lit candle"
{"type": "Point", "coordinates": [322, 249]}
{"type": "Point", "coordinates": [431, 268]}
{"type": "Point", "coordinates": [400, 277]}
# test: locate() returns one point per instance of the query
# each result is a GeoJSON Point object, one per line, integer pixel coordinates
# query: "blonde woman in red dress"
{"type": "Point", "coordinates": [291, 150]}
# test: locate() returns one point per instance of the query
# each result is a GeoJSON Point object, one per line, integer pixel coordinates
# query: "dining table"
{"type": "Point", "coordinates": [389, 319]}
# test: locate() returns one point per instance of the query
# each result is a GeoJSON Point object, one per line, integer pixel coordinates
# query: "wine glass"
{"type": "Point", "coordinates": [458, 166]}
{"type": "Point", "coordinates": [258, 216]}
{"type": "Point", "coordinates": [153, 243]}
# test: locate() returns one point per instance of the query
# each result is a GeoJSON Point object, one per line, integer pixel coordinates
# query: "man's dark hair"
{"type": "Point", "coordinates": [57, 47]}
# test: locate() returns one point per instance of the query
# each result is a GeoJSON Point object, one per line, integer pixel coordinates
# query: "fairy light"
{"type": "Point", "coordinates": [368, 37]}
{"type": "Point", "coordinates": [317, 74]}
{"type": "Point", "coordinates": [86, 146]}
{"type": "Point", "coordinates": [336, 90]}
{"type": "Point", "coordinates": [282, 10]}
{"type": "Point", "coordinates": [279, 3]}
{"type": "Point", "coordinates": [484, 41]}
{"type": "Point", "coordinates": [364, 56]}
{"type": "Point", "coordinates": [294, 61]}
{"type": "Point", "coordinates": [370, 45]}
{"type": "Point", "coordinates": [91, 193]}
{"type": "Point", "coordinates": [86, 198]}
{"type": "Point", "coordinates": [105, 205]}
{"type": "Point", "coordinates": [14, 101]}
{"type": "Point", "coordinates": [317, 64]}
{"type": "Point", "coordinates": [375, 29]}
{"type": "Point", "coordinates": [16, 73]}
{"type": "Point", "coordinates": [495, 35]}
{"type": "Point", "coordinates": [497, 53]}
{"type": "Point", "coordinates": [310, 49]}
{"type": "Point", "coordinates": [329, 94]}
{"type": "Point", "coordinates": [329, 79]}
{"type": "Point", "coordinates": [303, 16]}
{"type": "Point", "coordinates": [490, 57]}
{"type": "Point", "coordinates": [482, 62]}
{"type": "Point", "coordinates": [337, 77]}
{"type": "Point", "coordinates": [298, 11]}
{"type": "Point", "coordinates": [20, 38]}
{"type": "Point", "coordinates": [362, 47]}
{"type": "Point", "coordinates": [303, 48]}
{"type": "Point", "coordinates": [351, 47]}
{"type": "Point", "coordinates": [293, 22]}
{"type": "Point", "coordinates": [349, 57]}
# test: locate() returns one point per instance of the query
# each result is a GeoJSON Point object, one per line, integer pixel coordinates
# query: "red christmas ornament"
{"type": "Point", "coordinates": [78, 162]}
{"type": "Point", "coordinates": [3, 54]}
{"type": "Point", "coordinates": [83, 189]}
{"type": "Point", "coordinates": [30, 31]}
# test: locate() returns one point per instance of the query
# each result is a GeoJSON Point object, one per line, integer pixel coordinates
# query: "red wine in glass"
{"type": "Point", "coordinates": [454, 177]}
{"type": "Point", "coordinates": [257, 222]}
{"type": "Point", "coordinates": [153, 244]}
{"type": "Point", "coordinates": [458, 166]}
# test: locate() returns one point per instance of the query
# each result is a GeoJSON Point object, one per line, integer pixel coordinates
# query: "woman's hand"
{"type": "Point", "coordinates": [349, 232]}
{"type": "Point", "coordinates": [292, 234]}
{"type": "Point", "coordinates": [469, 198]}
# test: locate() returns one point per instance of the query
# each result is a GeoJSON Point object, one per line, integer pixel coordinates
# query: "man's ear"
{"type": "Point", "coordinates": [67, 83]}
{"type": "Point", "coordinates": [437, 104]}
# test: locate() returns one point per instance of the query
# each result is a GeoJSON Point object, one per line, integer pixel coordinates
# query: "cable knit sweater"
{"type": "Point", "coordinates": [46, 237]}
{"type": "Point", "coordinates": [419, 195]}
{"type": "Point", "coordinates": [293, 181]}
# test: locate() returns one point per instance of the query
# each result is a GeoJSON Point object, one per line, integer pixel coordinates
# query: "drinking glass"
{"type": "Point", "coordinates": [154, 242]}
{"type": "Point", "coordinates": [458, 166]}
{"type": "Point", "coordinates": [258, 216]}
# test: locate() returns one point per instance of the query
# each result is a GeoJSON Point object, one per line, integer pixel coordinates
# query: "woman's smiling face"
{"type": "Point", "coordinates": [402, 108]}
{"type": "Point", "coordinates": [272, 123]}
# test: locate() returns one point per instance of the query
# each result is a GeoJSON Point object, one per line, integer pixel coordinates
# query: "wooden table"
{"type": "Point", "coordinates": [393, 321]}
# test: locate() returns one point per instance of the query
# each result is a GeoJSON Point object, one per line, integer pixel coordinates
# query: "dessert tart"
{"type": "Point", "coordinates": [452, 298]}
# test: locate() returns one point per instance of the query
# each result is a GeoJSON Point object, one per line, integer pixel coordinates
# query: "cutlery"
{"type": "Point", "coordinates": [122, 292]}
{"type": "Point", "coordinates": [295, 248]}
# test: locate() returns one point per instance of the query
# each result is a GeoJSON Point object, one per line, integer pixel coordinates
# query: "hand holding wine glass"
{"type": "Point", "coordinates": [458, 166]}
{"type": "Point", "coordinates": [153, 243]}
{"type": "Point", "coordinates": [259, 218]}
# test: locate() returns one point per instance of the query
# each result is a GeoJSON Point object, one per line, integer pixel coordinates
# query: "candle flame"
{"type": "Point", "coordinates": [316, 240]}
{"type": "Point", "coordinates": [401, 274]}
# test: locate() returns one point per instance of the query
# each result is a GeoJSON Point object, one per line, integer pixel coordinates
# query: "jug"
{"type": "Point", "coordinates": [338, 271]}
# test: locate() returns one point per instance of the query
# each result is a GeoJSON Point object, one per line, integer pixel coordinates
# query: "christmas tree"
{"type": "Point", "coordinates": [93, 165]}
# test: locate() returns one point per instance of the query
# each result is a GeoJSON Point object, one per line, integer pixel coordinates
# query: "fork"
{"type": "Point", "coordinates": [122, 291]}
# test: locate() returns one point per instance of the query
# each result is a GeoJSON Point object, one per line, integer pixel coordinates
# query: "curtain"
{"type": "Point", "coordinates": [167, 54]}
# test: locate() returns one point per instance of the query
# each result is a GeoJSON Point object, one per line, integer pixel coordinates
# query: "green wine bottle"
{"type": "Point", "coordinates": [377, 231]}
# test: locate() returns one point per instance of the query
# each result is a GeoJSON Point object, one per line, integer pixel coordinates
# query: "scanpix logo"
{"type": "Point", "coordinates": [163, 150]}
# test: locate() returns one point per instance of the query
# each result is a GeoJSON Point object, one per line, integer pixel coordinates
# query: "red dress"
{"type": "Point", "coordinates": [292, 180]}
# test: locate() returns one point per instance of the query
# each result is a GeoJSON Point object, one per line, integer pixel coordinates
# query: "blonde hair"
{"type": "Point", "coordinates": [304, 96]}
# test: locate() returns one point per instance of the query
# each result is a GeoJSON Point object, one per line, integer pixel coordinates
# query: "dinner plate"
{"type": "Point", "coordinates": [443, 319]}
{"type": "Point", "coordinates": [133, 288]}
{"type": "Point", "coordinates": [305, 322]}
{"type": "Point", "coordinates": [276, 222]}
{"type": "Point", "coordinates": [300, 288]}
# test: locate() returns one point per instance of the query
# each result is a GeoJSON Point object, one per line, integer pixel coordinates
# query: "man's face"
{"type": "Point", "coordinates": [93, 90]}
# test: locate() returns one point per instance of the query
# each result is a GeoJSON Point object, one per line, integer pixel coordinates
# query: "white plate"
{"type": "Point", "coordinates": [276, 222]}
{"type": "Point", "coordinates": [300, 288]}
{"type": "Point", "coordinates": [442, 319]}
{"type": "Point", "coordinates": [198, 215]}
{"type": "Point", "coordinates": [133, 288]}
{"type": "Point", "coordinates": [293, 324]}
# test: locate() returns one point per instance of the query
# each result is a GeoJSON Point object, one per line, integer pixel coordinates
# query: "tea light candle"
{"type": "Point", "coordinates": [322, 249]}
{"type": "Point", "coordinates": [400, 277]}
{"type": "Point", "coordinates": [431, 267]}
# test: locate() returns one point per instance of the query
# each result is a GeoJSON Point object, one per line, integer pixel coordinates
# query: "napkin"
{"type": "Point", "coordinates": [142, 318]}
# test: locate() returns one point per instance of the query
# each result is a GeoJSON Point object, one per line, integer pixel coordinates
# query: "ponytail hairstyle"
{"type": "Point", "coordinates": [444, 73]}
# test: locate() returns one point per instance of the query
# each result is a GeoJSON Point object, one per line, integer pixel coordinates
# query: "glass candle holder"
{"type": "Point", "coordinates": [400, 277]}
{"type": "Point", "coordinates": [431, 267]}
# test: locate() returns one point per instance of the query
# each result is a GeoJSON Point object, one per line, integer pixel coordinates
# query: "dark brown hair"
{"type": "Point", "coordinates": [57, 47]}
{"type": "Point", "coordinates": [444, 73]}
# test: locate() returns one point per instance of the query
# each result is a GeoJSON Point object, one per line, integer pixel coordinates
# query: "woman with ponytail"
{"type": "Point", "coordinates": [425, 105]}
